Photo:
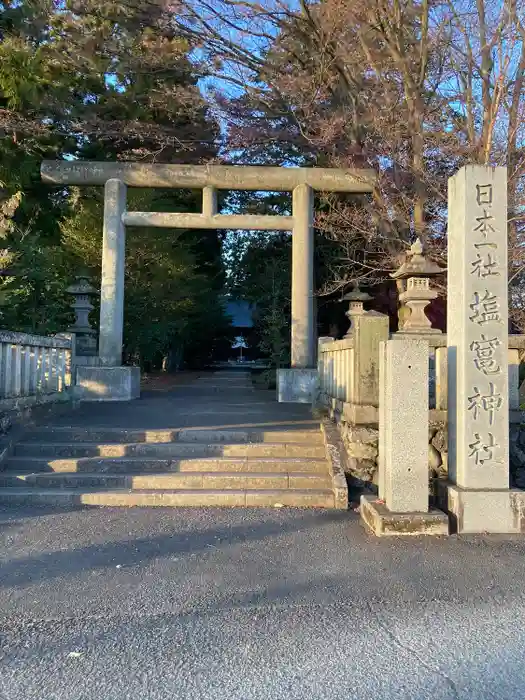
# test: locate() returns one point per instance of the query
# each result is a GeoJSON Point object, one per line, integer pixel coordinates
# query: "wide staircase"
{"type": "Point", "coordinates": [239, 463]}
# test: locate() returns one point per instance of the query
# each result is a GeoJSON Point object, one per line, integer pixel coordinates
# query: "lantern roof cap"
{"type": "Point", "coordinates": [417, 264]}
{"type": "Point", "coordinates": [81, 285]}
{"type": "Point", "coordinates": [356, 294]}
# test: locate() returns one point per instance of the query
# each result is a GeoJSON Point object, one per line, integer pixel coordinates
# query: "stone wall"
{"type": "Point", "coordinates": [517, 455]}
{"type": "Point", "coordinates": [438, 449]}
{"type": "Point", "coordinates": [361, 443]}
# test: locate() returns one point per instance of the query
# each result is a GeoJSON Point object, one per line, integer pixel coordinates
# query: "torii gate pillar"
{"type": "Point", "coordinates": [298, 384]}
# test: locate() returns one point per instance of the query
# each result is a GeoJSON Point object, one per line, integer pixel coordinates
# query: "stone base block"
{"type": "Point", "coordinates": [296, 385]}
{"type": "Point", "coordinates": [383, 522]}
{"type": "Point", "coordinates": [87, 361]}
{"type": "Point", "coordinates": [360, 414]}
{"type": "Point", "coordinates": [482, 510]}
{"type": "Point", "coordinates": [108, 383]}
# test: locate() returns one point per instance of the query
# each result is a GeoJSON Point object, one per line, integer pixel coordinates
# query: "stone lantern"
{"type": "Point", "coordinates": [417, 270]}
{"type": "Point", "coordinates": [357, 299]}
{"type": "Point", "coordinates": [86, 336]}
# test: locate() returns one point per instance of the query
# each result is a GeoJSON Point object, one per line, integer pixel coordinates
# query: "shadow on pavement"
{"type": "Point", "coordinates": [49, 565]}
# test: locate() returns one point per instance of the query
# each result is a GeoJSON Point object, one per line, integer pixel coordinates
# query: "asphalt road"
{"type": "Point", "coordinates": [247, 605]}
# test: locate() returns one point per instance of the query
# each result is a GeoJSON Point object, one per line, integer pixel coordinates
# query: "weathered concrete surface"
{"type": "Point", "coordinates": [478, 510]}
{"type": "Point", "coordinates": [368, 331]}
{"type": "Point", "coordinates": [296, 385]}
{"type": "Point", "coordinates": [180, 498]}
{"type": "Point", "coordinates": [478, 353]}
{"type": "Point", "coordinates": [107, 383]}
{"type": "Point", "coordinates": [303, 341]}
{"type": "Point", "coordinates": [112, 283]}
{"type": "Point", "coordinates": [221, 222]}
{"type": "Point", "coordinates": [403, 425]}
{"type": "Point", "coordinates": [383, 523]}
{"type": "Point", "coordinates": [477, 329]}
{"type": "Point", "coordinates": [337, 458]}
{"type": "Point", "coordinates": [194, 406]}
{"type": "Point", "coordinates": [239, 605]}
{"type": "Point", "coordinates": [222, 177]}
{"type": "Point", "coordinates": [40, 341]}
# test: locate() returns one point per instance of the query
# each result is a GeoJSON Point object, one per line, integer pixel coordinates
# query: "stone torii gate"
{"type": "Point", "coordinates": [110, 381]}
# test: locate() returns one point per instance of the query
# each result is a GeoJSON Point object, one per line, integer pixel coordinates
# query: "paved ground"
{"type": "Point", "coordinates": [245, 605]}
{"type": "Point", "coordinates": [193, 404]}
{"type": "Point", "coordinates": [248, 605]}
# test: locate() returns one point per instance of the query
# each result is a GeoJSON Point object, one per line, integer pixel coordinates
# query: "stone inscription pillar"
{"type": "Point", "coordinates": [112, 285]}
{"type": "Point", "coordinates": [303, 325]}
{"type": "Point", "coordinates": [477, 329]}
{"type": "Point", "coordinates": [403, 425]}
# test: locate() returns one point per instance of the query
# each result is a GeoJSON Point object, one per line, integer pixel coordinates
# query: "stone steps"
{"type": "Point", "coordinates": [170, 481]}
{"type": "Point", "coordinates": [183, 467]}
{"type": "Point", "coordinates": [297, 498]}
{"type": "Point", "coordinates": [227, 382]}
{"type": "Point", "coordinates": [215, 389]}
{"type": "Point", "coordinates": [138, 435]}
{"type": "Point", "coordinates": [165, 450]}
{"type": "Point", "coordinates": [135, 465]}
{"type": "Point", "coordinates": [224, 381]}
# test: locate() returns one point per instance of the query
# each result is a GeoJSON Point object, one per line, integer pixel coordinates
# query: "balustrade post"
{"type": "Point", "coordinates": [322, 365]}
{"type": "Point", "coordinates": [441, 379]}
{"type": "Point", "coordinates": [3, 354]}
{"type": "Point", "coordinates": [46, 366]}
{"type": "Point", "coordinates": [33, 370]}
{"type": "Point", "coordinates": [26, 371]}
{"type": "Point", "coordinates": [39, 353]}
{"type": "Point", "coordinates": [17, 371]}
{"type": "Point", "coordinates": [60, 370]}
{"type": "Point", "coordinates": [368, 331]}
{"type": "Point", "coordinates": [53, 361]}
{"type": "Point", "coordinates": [9, 369]}
{"type": "Point", "coordinates": [514, 380]}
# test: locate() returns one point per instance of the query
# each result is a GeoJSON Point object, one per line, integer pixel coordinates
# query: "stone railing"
{"type": "Point", "coordinates": [34, 367]}
{"type": "Point", "coordinates": [335, 365]}
{"type": "Point", "coordinates": [348, 369]}
{"type": "Point", "coordinates": [349, 390]}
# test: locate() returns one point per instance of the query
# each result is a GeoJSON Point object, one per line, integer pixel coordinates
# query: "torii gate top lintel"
{"type": "Point", "coordinates": [221, 177]}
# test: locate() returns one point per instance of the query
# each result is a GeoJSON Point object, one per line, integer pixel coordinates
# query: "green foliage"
{"type": "Point", "coordinates": [261, 274]}
{"type": "Point", "coordinates": [103, 81]}
{"type": "Point", "coordinates": [171, 303]}
{"type": "Point", "coordinates": [32, 288]}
